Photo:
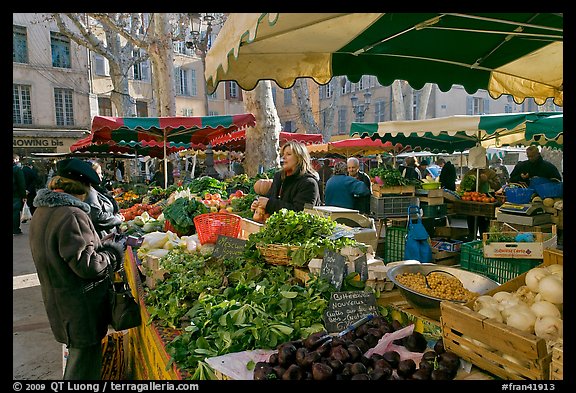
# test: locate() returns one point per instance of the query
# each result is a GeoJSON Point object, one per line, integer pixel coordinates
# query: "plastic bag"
{"type": "Point", "coordinates": [25, 215]}
{"type": "Point", "coordinates": [417, 240]}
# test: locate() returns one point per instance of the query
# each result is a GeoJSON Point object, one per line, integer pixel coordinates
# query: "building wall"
{"type": "Point", "coordinates": [43, 135]}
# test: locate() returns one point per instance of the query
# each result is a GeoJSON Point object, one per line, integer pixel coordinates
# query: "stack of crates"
{"type": "Point", "coordinates": [394, 244]}
{"type": "Point", "coordinates": [498, 269]}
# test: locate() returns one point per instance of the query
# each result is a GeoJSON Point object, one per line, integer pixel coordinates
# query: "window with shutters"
{"type": "Point", "coordinates": [182, 82]}
{"type": "Point", "coordinates": [19, 45]}
{"type": "Point", "coordinates": [287, 96]}
{"type": "Point", "coordinates": [187, 112]}
{"type": "Point", "coordinates": [104, 106]}
{"type": "Point", "coordinates": [141, 108]}
{"type": "Point", "coordinates": [141, 69]}
{"type": "Point", "coordinates": [212, 113]}
{"type": "Point", "coordinates": [289, 126]}
{"type": "Point", "coordinates": [60, 46]}
{"type": "Point", "coordinates": [63, 107]}
{"type": "Point", "coordinates": [100, 65]}
{"type": "Point", "coordinates": [193, 83]}
{"type": "Point", "coordinates": [233, 89]}
{"type": "Point", "coordinates": [342, 123]}
{"type": "Point", "coordinates": [379, 111]}
{"type": "Point", "coordinates": [21, 104]}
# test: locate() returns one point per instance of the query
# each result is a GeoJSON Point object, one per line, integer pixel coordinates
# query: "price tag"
{"type": "Point", "coordinates": [229, 247]}
{"type": "Point", "coordinates": [332, 268]}
{"type": "Point", "coordinates": [345, 308]}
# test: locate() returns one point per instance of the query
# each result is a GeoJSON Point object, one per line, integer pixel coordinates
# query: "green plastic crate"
{"type": "Point", "coordinates": [394, 244]}
{"type": "Point", "coordinates": [498, 269]}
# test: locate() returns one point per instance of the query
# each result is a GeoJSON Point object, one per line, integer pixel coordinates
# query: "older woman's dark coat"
{"type": "Point", "coordinates": [72, 266]}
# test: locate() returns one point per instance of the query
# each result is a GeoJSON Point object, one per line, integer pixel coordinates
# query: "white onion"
{"type": "Point", "coordinates": [557, 270]}
{"type": "Point", "coordinates": [549, 328]}
{"type": "Point", "coordinates": [492, 313]}
{"type": "Point", "coordinates": [484, 301]}
{"type": "Point", "coordinates": [513, 308]}
{"type": "Point", "coordinates": [502, 295]}
{"type": "Point", "coordinates": [552, 289]}
{"type": "Point", "coordinates": [533, 277]}
{"type": "Point", "coordinates": [525, 295]}
{"type": "Point", "coordinates": [544, 308]}
{"type": "Point", "coordinates": [522, 320]}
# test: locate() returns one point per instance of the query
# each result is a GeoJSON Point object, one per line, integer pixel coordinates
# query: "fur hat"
{"type": "Point", "coordinates": [75, 169]}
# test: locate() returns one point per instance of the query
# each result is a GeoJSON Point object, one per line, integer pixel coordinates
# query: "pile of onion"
{"type": "Point", "coordinates": [535, 307]}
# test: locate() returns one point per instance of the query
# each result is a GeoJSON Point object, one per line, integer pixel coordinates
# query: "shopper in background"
{"type": "Point", "coordinates": [18, 193]}
{"type": "Point", "coordinates": [104, 210]}
{"type": "Point", "coordinates": [409, 170]}
{"type": "Point", "coordinates": [535, 166]}
{"type": "Point", "coordinates": [343, 190]}
{"type": "Point", "coordinates": [32, 180]}
{"type": "Point", "coordinates": [447, 176]}
{"type": "Point", "coordinates": [325, 174]}
{"type": "Point", "coordinates": [72, 265]}
{"type": "Point", "coordinates": [423, 169]}
{"type": "Point", "coordinates": [488, 183]}
{"type": "Point", "coordinates": [294, 185]}
{"type": "Point", "coordinates": [362, 202]}
{"type": "Point", "coordinates": [497, 165]}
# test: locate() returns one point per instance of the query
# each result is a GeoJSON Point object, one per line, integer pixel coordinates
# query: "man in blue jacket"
{"type": "Point", "coordinates": [343, 190]}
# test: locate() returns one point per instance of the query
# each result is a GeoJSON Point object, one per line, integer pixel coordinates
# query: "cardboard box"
{"type": "Point", "coordinates": [446, 244]}
{"type": "Point", "coordinates": [531, 250]}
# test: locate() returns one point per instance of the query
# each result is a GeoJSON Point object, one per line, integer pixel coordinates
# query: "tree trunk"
{"type": "Point", "coordinates": [305, 107]}
{"type": "Point", "coordinates": [424, 99]}
{"type": "Point", "coordinates": [398, 101]}
{"type": "Point", "coordinates": [161, 58]}
{"type": "Point", "coordinates": [262, 141]}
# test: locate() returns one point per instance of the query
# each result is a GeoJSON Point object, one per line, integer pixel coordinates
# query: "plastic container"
{"type": "Point", "coordinates": [550, 190]}
{"type": "Point", "coordinates": [210, 225]}
{"type": "Point", "coordinates": [519, 195]}
{"type": "Point", "coordinates": [394, 244]}
{"type": "Point", "coordinates": [498, 269]}
{"type": "Point", "coordinates": [431, 186]}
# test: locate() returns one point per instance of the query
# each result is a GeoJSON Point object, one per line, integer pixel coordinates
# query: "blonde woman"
{"type": "Point", "coordinates": [294, 185]}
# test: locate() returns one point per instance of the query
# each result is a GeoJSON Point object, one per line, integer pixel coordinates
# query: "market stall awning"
{"type": "Point", "coordinates": [236, 141]}
{"type": "Point", "coordinates": [179, 131]}
{"type": "Point", "coordinates": [453, 133]}
{"type": "Point", "coordinates": [86, 145]}
{"type": "Point", "coordinates": [520, 54]}
{"type": "Point", "coordinates": [352, 147]}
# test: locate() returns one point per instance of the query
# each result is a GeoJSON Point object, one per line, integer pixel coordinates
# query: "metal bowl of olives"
{"type": "Point", "coordinates": [430, 305]}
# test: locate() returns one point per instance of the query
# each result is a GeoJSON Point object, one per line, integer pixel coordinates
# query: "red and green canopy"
{"type": "Point", "coordinates": [152, 149]}
{"type": "Point", "coordinates": [180, 132]}
{"type": "Point", "coordinates": [236, 141]}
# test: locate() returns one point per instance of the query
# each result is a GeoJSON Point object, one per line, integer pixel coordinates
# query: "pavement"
{"type": "Point", "coordinates": [35, 354]}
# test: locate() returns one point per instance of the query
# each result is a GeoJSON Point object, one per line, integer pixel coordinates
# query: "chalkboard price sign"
{"type": "Point", "coordinates": [361, 266]}
{"type": "Point", "coordinates": [228, 247]}
{"type": "Point", "coordinates": [345, 308]}
{"type": "Point", "coordinates": [332, 268]}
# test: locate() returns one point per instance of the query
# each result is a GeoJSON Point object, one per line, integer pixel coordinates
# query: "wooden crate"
{"type": "Point", "coordinates": [461, 325]}
{"type": "Point", "coordinates": [445, 258]}
{"type": "Point", "coordinates": [379, 190]}
{"type": "Point", "coordinates": [248, 227]}
{"type": "Point", "coordinates": [431, 200]}
{"type": "Point", "coordinates": [557, 365]}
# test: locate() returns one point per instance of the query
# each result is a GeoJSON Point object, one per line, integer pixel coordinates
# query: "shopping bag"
{"type": "Point", "coordinates": [25, 215]}
{"type": "Point", "coordinates": [125, 310]}
{"type": "Point", "coordinates": [417, 245]}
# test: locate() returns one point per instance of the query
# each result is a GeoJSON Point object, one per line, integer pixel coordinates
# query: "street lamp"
{"type": "Point", "coordinates": [199, 40]}
{"type": "Point", "coordinates": [360, 109]}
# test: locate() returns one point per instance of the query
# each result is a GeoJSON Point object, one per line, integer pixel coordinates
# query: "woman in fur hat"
{"type": "Point", "coordinates": [72, 265]}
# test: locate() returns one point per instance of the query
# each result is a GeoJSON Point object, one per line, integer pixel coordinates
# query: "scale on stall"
{"type": "Point", "coordinates": [527, 209]}
{"type": "Point", "coordinates": [522, 213]}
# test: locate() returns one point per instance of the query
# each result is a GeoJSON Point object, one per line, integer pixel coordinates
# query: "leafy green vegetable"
{"type": "Point", "coordinates": [181, 214]}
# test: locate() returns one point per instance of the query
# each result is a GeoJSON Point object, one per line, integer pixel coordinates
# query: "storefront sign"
{"type": "Point", "coordinates": [28, 142]}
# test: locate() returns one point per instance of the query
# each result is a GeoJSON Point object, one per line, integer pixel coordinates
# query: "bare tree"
{"type": "Point", "coordinates": [402, 98]}
{"type": "Point", "coordinates": [262, 141]}
{"type": "Point", "coordinates": [120, 56]}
